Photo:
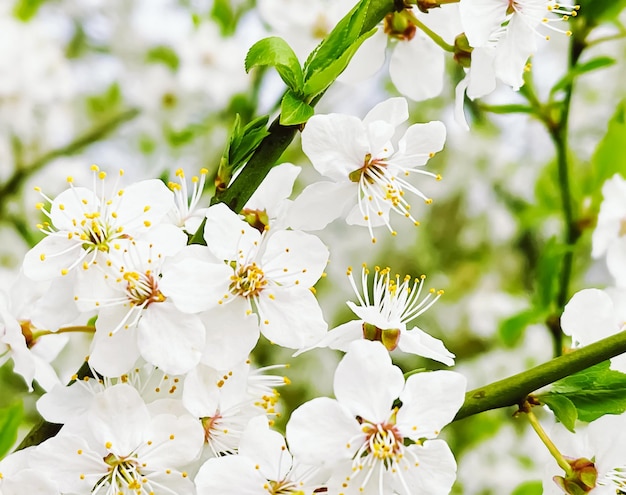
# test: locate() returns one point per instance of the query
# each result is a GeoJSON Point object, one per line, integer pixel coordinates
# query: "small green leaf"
{"type": "Point", "coordinates": [320, 80]}
{"type": "Point", "coordinates": [597, 11]}
{"type": "Point", "coordinates": [512, 329]}
{"type": "Point", "coordinates": [593, 64]}
{"type": "Point", "coordinates": [609, 157]}
{"type": "Point", "coordinates": [594, 392]}
{"type": "Point", "coordinates": [164, 55]}
{"type": "Point", "coordinates": [107, 102]}
{"type": "Point", "coordinates": [275, 52]}
{"type": "Point", "coordinates": [563, 408]}
{"type": "Point", "coordinates": [224, 15]}
{"type": "Point", "coordinates": [293, 110]}
{"type": "Point", "coordinates": [344, 34]}
{"type": "Point", "coordinates": [247, 140]}
{"type": "Point", "coordinates": [25, 10]}
{"type": "Point", "coordinates": [10, 419]}
{"type": "Point", "coordinates": [529, 488]}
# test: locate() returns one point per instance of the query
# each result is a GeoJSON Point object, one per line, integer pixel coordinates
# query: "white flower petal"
{"type": "Point", "coordinates": [226, 233]}
{"type": "Point", "coordinates": [294, 258]}
{"type": "Point", "coordinates": [119, 416]}
{"type": "Point", "coordinates": [430, 400]}
{"type": "Point", "coordinates": [418, 342]}
{"type": "Point", "coordinates": [433, 474]}
{"type": "Point", "coordinates": [416, 68]}
{"type": "Point", "coordinates": [318, 432]}
{"type": "Point", "coordinates": [291, 318]}
{"type": "Point", "coordinates": [588, 316]}
{"type": "Point", "coordinates": [267, 448]}
{"type": "Point", "coordinates": [230, 475]}
{"type": "Point", "coordinates": [336, 144]}
{"type": "Point", "coordinates": [366, 381]}
{"type": "Point", "coordinates": [321, 203]}
{"type": "Point", "coordinates": [169, 339]}
{"type": "Point", "coordinates": [231, 334]}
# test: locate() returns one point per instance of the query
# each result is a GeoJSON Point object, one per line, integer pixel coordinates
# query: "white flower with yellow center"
{"type": "Point", "coordinates": [263, 466]}
{"type": "Point", "coordinates": [379, 436]}
{"type": "Point", "coordinates": [146, 306]}
{"type": "Point", "coordinates": [270, 274]}
{"type": "Point", "coordinates": [85, 225]}
{"type": "Point", "coordinates": [359, 158]}
{"type": "Point", "coordinates": [384, 316]}
{"type": "Point", "coordinates": [125, 449]}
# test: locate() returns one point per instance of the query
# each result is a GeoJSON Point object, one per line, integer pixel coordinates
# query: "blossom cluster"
{"type": "Point", "coordinates": [170, 400]}
{"type": "Point", "coordinates": [179, 295]}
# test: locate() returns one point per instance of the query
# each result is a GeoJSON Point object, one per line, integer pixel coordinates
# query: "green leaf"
{"type": "Point", "coordinates": [320, 80]}
{"type": "Point", "coordinates": [577, 70]}
{"type": "Point", "coordinates": [345, 33]}
{"type": "Point", "coordinates": [224, 15]}
{"type": "Point", "coordinates": [594, 392]}
{"type": "Point", "coordinates": [529, 488]}
{"type": "Point", "coordinates": [164, 55]}
{"type": "Point", "coordinates": [25, 10]}
{"type": "Point", "coordinates": [596, 11]}
{"type": "Point", "coordinates": [512, 329]}
{"type": "Point", "coordinates": [609, 157]}
{"type": "Point", "coordinates": [563, 408]}
{"type": "Point", "coordinates": [245, 141]}
{"type": "Point", "coordinates": [10, 419]}
{"type": "Point", "coordinates": [275, 52]}
{"type": "Point", "coordinates": [293, 110]}
{"type": "Point", "coordinates": [107, 103]}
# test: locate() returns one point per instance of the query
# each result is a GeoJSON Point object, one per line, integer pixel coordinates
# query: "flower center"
{"type": "Point", "coordinates": [383, 441]}
{"type": "Point", "coordinates": [123, 473]}
{"type": "Point", "coordinates": [210, 424]}
{"type": "Point", "coordinates": [96, 234]}
{"type": "Point", "coordinates": [370, 171]}
{"type": "Point", "coordinates": [248, 281]}
{"type": "Point", "coordinates": [622, 228]}
{"type": "Point", "coordinates": [142, 289]}
{"type": "Point", "coordinates": [284, 487]}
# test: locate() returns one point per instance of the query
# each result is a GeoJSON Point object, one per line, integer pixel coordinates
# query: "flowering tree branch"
{"type": "Point", "coordinates": [513, 390]}
{"type": "Point", "coordinates": [280, 136]}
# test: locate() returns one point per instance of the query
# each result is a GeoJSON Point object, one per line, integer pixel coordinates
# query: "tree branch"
{"type": "Point", "coordinates": [513, 390]}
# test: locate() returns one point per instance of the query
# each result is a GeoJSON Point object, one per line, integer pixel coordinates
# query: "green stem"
{"type": "Point", "coordinates": [514, 389]}
{"type": "Point", "coordinates": [439, 41]}
{"type": "Point", "coordinates": [560, 460]}
{"type": "Point", "coordinates": [559, 134]}
{"type": "Point", "coordinates": [75, 329]}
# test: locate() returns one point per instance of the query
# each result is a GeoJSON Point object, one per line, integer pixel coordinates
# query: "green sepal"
{"type": "Point", "coordinates": [276, 52]}
{"type": "Point", "coordinates": [293, 110]}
